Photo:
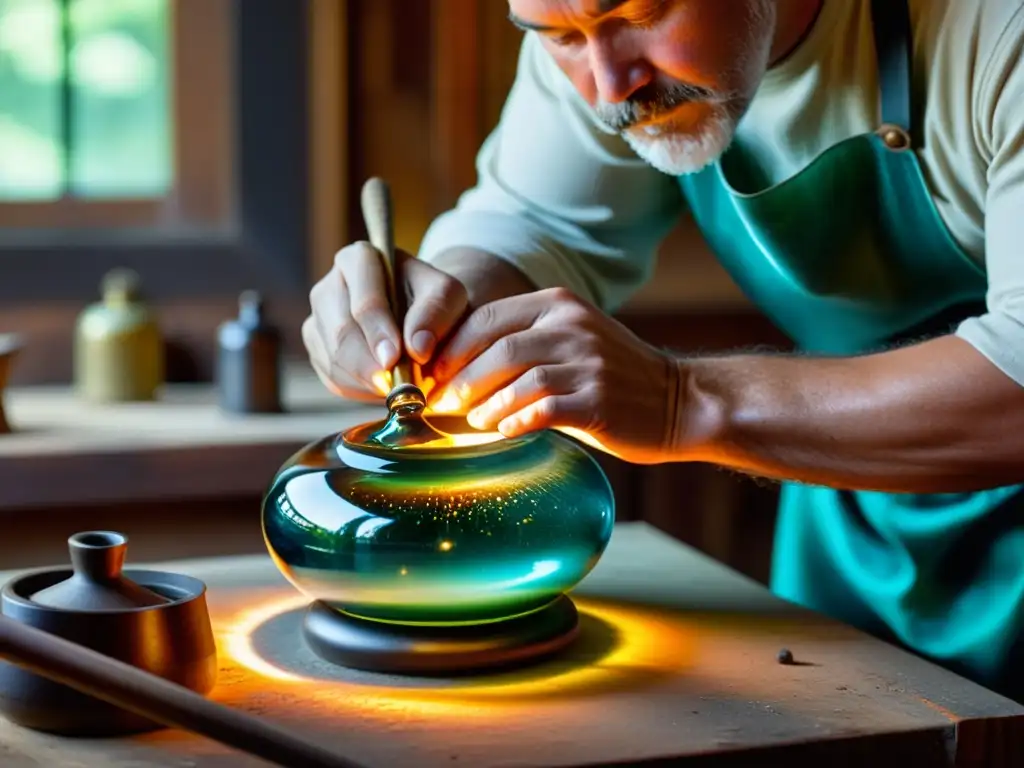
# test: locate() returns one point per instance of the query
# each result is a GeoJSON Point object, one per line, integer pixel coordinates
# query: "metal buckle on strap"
{"type": "Point", "coordinates": [896, 138]}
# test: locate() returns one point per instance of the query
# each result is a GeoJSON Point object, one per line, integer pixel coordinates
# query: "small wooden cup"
{"type": "Point", "coordinates": [10, 346]}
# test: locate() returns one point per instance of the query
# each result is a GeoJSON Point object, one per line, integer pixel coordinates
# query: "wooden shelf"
{"type": "Point", "coordinates": [66, 451]}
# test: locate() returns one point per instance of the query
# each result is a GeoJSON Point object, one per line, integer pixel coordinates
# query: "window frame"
{"type": "Point", "coordinates": [264, 244]}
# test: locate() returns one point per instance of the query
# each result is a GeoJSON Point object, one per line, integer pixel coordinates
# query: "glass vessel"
{"type": "Point", "coordinates": [469, 528]}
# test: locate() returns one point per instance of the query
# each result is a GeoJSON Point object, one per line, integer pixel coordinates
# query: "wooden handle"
{"type": "Point", "coordinates": [378, 215]}
{"type": "Point", "coordinates": [380, 225]}
{"type": "Point", "coordinates": [150, 696]}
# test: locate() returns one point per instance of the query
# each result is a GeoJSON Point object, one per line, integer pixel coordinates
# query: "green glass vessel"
{"type": "Point", "coordinates": [465, 530]}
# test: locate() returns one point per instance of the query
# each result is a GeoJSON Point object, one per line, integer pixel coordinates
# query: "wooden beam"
{"type": "Point", "coordinates": [456, 113]}
{"type": "Point", "coordinates": [329, 156]}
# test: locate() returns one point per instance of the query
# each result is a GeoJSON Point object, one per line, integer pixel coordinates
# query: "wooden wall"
{"type": "Point", "coordinates": [424, 95]}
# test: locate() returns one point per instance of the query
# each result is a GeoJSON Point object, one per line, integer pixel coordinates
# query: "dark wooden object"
{"type": "Point", "coordinates": [10, 346]}
{"type": "Point", "coordinates": [152, 697]}
{"type": "Point", "coordinates": [677, 665]}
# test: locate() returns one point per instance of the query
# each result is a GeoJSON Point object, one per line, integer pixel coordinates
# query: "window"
{"type": "Point", "coordinates": [113, 114]}
{"type": "Point", "coordinates": [168, 136]}
{"type": "Point", "coordinates": [84, 99]}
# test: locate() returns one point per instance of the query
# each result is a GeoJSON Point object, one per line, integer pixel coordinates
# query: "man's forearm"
{"type": "Point", "coordinates": [935, 417]}
{"type": "Point", "coordinates": [487, 278]}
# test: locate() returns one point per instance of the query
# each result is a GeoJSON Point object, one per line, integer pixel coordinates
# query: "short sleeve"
{"type": "Point", "coordinates": [999, 334]}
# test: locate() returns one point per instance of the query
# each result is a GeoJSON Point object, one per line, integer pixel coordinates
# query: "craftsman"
{"type": "Point", "coordinates": [858, 168]}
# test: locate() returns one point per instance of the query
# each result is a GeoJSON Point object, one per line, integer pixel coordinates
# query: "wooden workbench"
{"type": "Point", "coordinates": [677, 660]}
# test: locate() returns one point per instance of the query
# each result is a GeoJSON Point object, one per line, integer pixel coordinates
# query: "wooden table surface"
{"type": "Point", "coordinates": [677, 660]}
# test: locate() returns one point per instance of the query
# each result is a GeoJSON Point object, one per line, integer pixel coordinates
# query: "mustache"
{"type": "Point", "coordinates": [652, 102]}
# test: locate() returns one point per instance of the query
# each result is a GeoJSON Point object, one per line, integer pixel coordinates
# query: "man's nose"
{"type": "Point", "coordinates": [617, 73]}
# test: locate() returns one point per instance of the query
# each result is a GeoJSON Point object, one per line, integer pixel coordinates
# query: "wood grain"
{"type": "Point", "coordinates": [456, 95]}
{"type": "Point", "coordinates": [328, 132]}
{"type": "Point", "coordinates": [143, 693]}
{"type": "Point", "coordinates": [676, 664]}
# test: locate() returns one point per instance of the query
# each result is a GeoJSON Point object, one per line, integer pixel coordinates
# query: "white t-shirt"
{"type": "Point", "coordinates": [570, 204]}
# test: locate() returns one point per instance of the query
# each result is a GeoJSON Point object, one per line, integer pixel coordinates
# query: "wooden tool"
{"type": "Point", "coordinates": [379, 219]}
{"type": "Point", "coordinates": [133, 689]}
{"type": "Point", "coordinates": [406, 401]}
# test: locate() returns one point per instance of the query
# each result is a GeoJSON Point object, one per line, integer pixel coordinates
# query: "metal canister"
{"type": "Point", "coordinates": [249, 360]}
{"type": "Point", "coordinates": [119, 347]}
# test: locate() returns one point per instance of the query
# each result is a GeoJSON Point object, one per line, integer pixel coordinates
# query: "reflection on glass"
{"type": "Point", "coordinates": [115, 140]}
{"type": "Point", "coordinates": [464, 534]}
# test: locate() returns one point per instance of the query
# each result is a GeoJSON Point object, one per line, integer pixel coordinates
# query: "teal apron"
{"type": "Point", "coordinates": [848, 257]}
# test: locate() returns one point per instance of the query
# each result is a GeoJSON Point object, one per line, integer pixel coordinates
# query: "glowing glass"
{"type": "Point", "coordinates": [473, 528]}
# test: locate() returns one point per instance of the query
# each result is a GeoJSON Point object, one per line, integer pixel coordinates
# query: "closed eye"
{"type": "Point", "coordinates": [564, 39]}
{"type": "Point", "coordinates": [645, 13]}
{"type": "Point", "coordinates": [638, 13]}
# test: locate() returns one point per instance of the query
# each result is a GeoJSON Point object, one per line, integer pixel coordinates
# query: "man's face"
{"type": "Point", "coordinates": [673, 76]}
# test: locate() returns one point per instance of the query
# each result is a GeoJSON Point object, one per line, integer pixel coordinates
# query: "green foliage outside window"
{"type": "Point", "coordinates": [85, 99]}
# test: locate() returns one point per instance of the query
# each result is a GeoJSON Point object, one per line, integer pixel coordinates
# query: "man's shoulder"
{"type": "Point", "coordinates": [987, 16]}
{"type": "Point", "coordinates": [978, 31]}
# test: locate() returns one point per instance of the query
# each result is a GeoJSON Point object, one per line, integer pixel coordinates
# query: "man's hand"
{"type": "Point", "coordinates": [548, 359]}
{"type": "Point", "coordinates": [351, 335]}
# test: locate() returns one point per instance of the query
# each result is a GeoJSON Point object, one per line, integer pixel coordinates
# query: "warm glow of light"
{"type": "Point", "coordinates": [451, 400]}
{"type": "Point", "coordinates": [236, 639]}
{"type": "Point", "coordinates": [650, 645]}
{"type": "Point", "coordinates": [461, 440]}
{"type": "Point", "coordinates": [425, 383]}
{"type": "Point", "coordinates": [445, 546]}
{"type": "Point", "coordinates": [586, 438]}
{"type": "Point", "coordinates": [382, 381]}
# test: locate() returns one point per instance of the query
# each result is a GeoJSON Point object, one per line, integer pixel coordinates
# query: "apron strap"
{"type": "Point", "coordinates": [893, 43]}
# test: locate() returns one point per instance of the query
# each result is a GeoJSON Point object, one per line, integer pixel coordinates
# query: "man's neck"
{"type": "Point", "coordinates": [795, 20]}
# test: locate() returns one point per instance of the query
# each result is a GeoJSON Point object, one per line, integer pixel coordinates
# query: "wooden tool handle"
{"type": "Point", "coordinates": [150, 696]}
{"type": "Point", "coordinates": [378, 215]}
{"type": "Point", "coordinates": [380, 226]}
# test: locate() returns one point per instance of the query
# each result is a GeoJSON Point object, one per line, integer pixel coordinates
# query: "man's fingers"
{"type": "Point", "coordinates": [362, 271]}
{"type": "Point", "coordinates": [333, 376]}
{"type": "Point", "coordinates": [571, 411]}
{"type": "Point", "coordinates": [534, 384]}
{"type": "Point", "coordinates": [347, 352]}
{"type": "Point", "coordinates": [353, 359]}
{"type": "Point", "coordinates": [438, 303]}
{"type": "Point", "coordinates": [498, 365]}
{"type": "Point", "coordinates": [483, 328]}
{"type": "Point", "coordinates": [344, 386]}
{"type": "Point", "coordinates": [328, 327]}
